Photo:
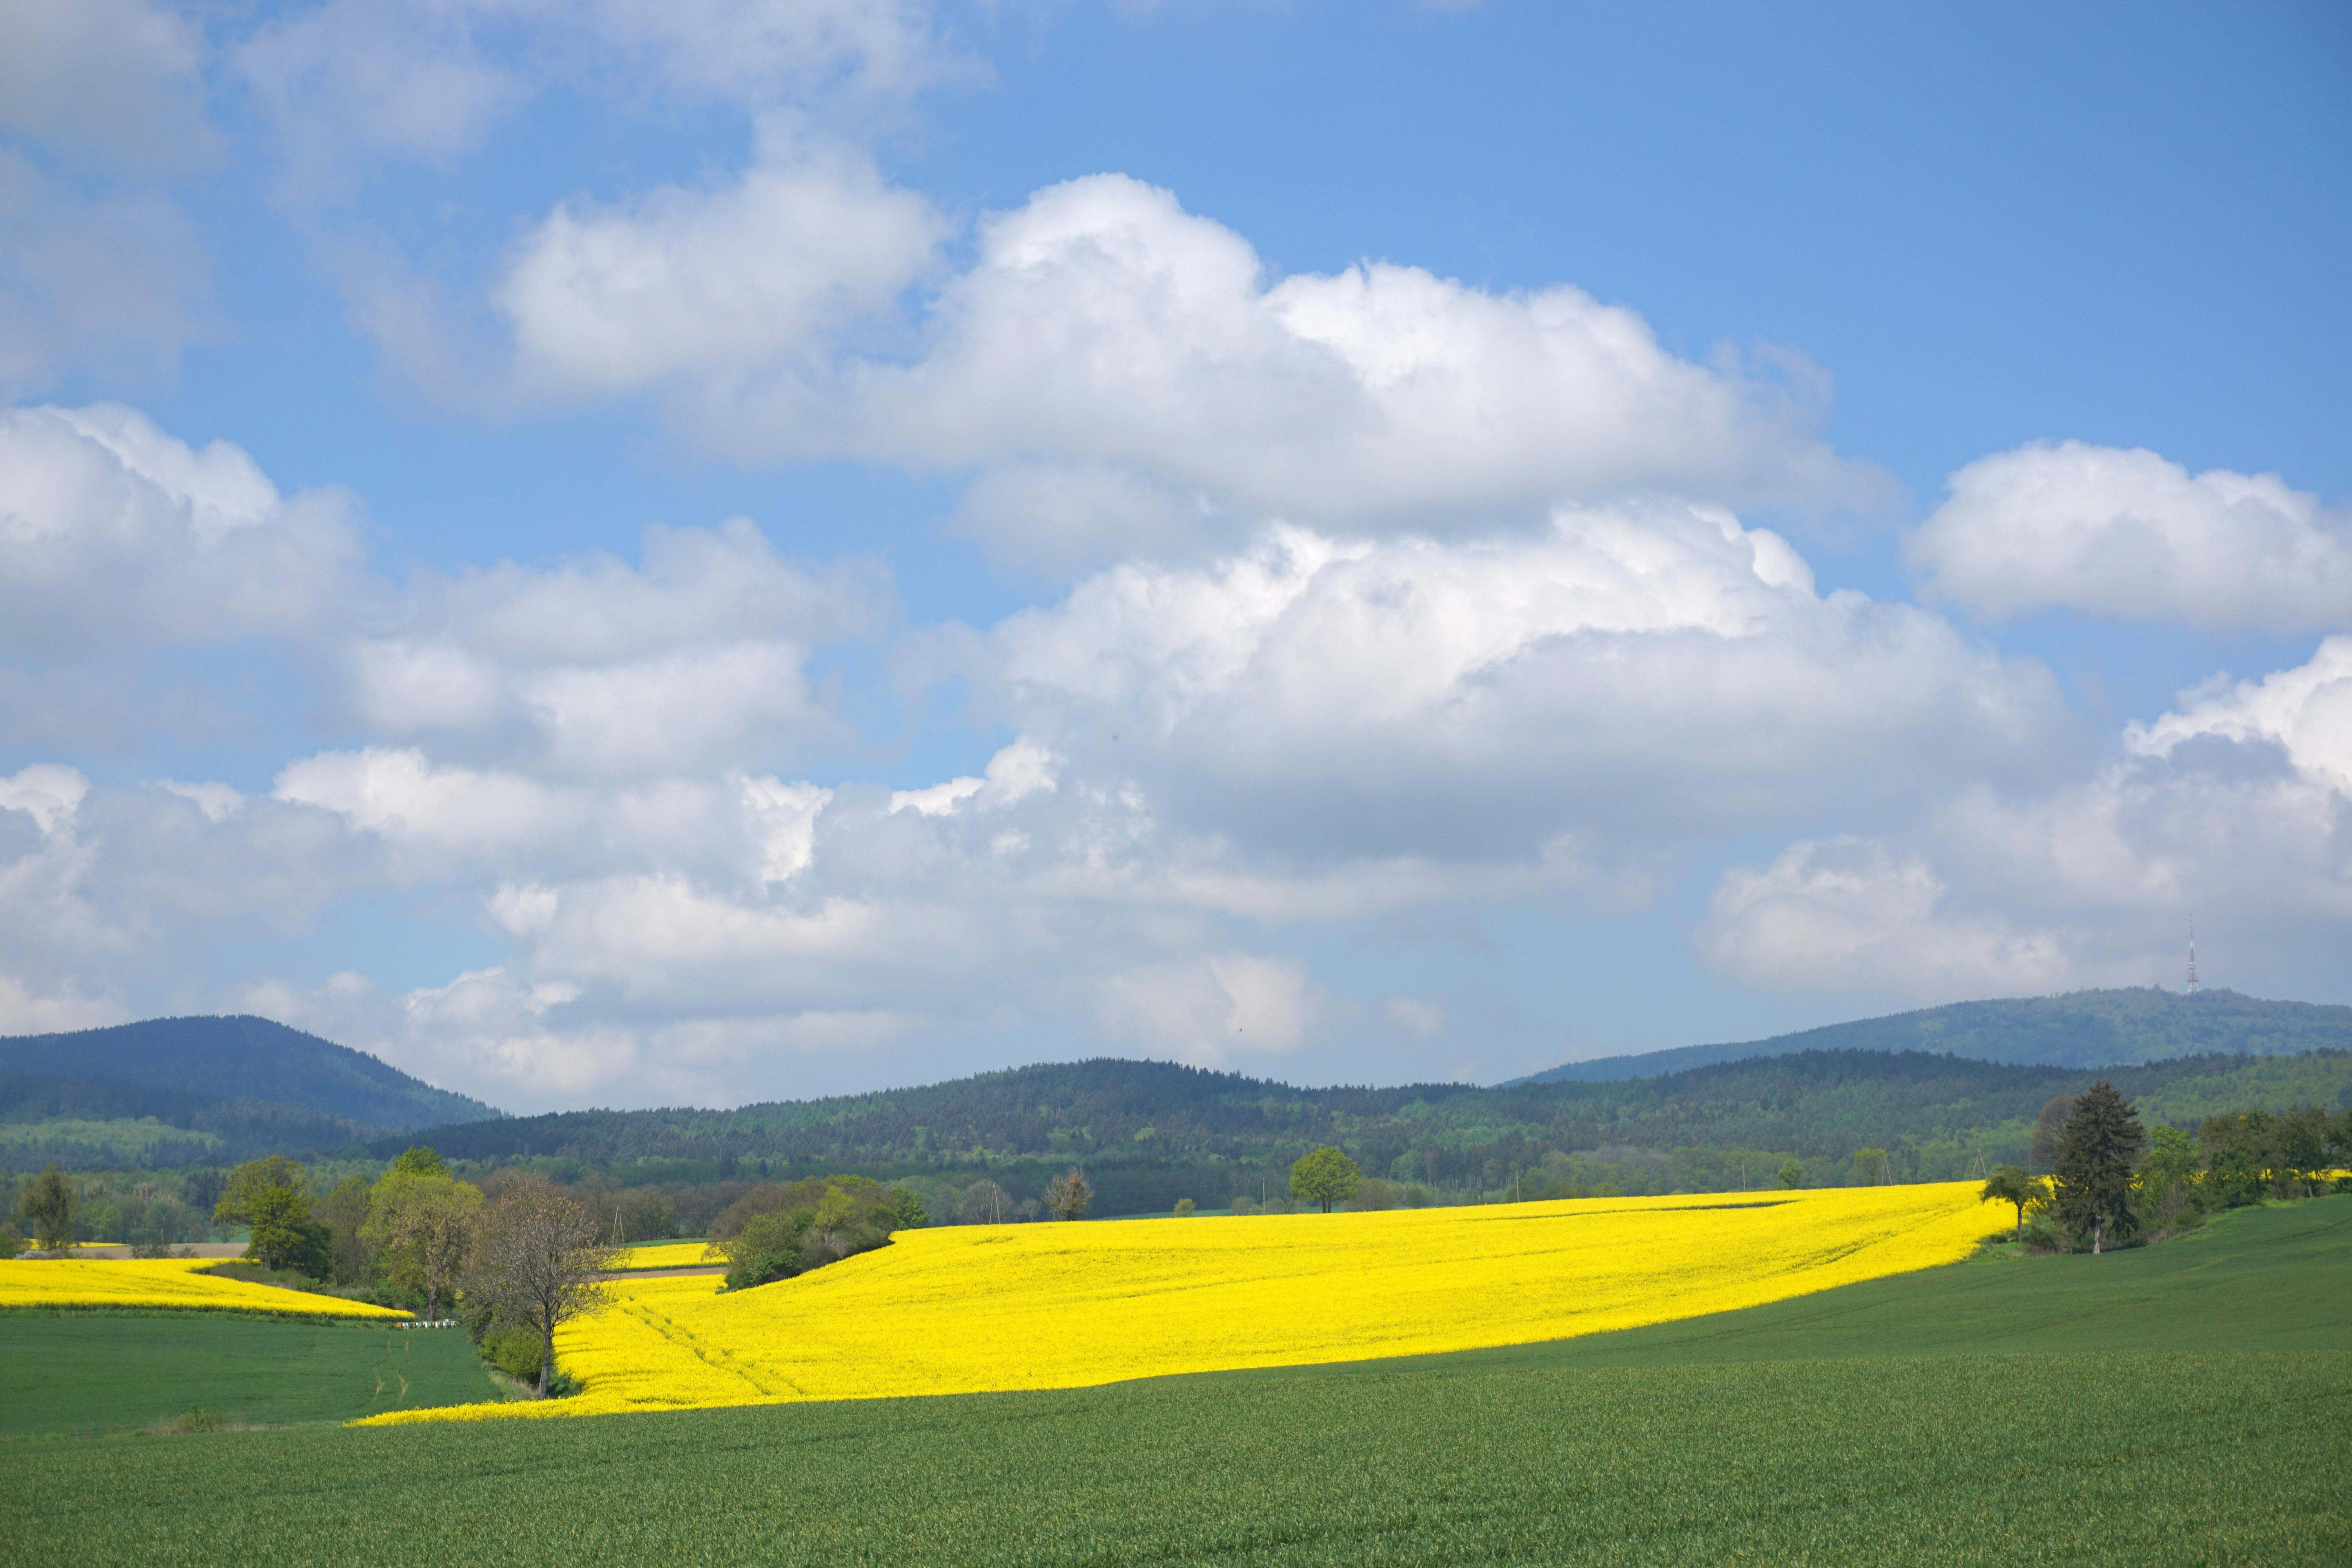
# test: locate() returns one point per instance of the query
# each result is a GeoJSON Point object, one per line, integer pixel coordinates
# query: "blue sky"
{"type": "Point", "coordinates": [1351, 542]}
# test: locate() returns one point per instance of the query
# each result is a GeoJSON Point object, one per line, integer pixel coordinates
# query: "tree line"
{"type": "Point", "coordinates": [2112, 1182]}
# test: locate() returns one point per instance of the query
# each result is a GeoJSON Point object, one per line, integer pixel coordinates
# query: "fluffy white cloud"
{"type": "Point", "coordinates": [693, 661]}
{"type": "Point", "coordinates": [1014, 773]}
{"type": "Point", "coordinates": [115, 536]}
{"type": "Point", "coordinates": [1652, 672]}
{"type": "Point", "coordinates": [1103, 326]}
{"type": "Point", "coordinates": [737, 832]}
{"type": "Point", "coordinates": [759, 277]}
{"type": "Point", "coordinates": [2234, 812]}
{"type": "Point", "coordinates": [2306, 712]}
{"type": "Point", "coordinates": [119, 76]}
{"type": "Point", "coordinates": [2127, 533]}
{"type": "Point", "coordinates": [109, 894]}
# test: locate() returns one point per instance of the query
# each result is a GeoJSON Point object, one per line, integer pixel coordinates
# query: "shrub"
{"type": "Point", "coordinates": [1185, 1207]}
{"type": "Point", "coordinates": [776, 1232]}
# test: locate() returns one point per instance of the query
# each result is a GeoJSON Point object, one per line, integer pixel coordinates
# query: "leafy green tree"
{"type": "Point", "coordinates": [2011, 1184]}
{"type": "Point", "coordinates": [420, 1225]}
{"type": "Point", "coordinates": [1870, 1167]}
{"type": "Point", "coordinates": [2098, 1149]}
{"type": "Point", "coordinates": [2167, 1177]}
{"type": "Point", "coordinates": [11, 1242]}
{"type": "Point", "coordinates": [2240, 1155]}
{"type": "Point", "coordinates": [48, 1206]}
{"type": "Point", "coordinates": [419, 1160]}
{"type": "Point", "coordinates": [2041, 1153]}
{"type": "Point", "coordinates": [344, 1213]}
{"type": "Point", "coordinates": [906, 1210]}
{"type": "Point", "coordinates": [2303, 1140]}
{"type": "Point", "coordinates": [272, 1197]}
{"type": "Point", "coordinates": [1325, 1176]}
{"type": "Point", "coordinates": [1067, 1195]}
{"type": "Point", "coordinates": [1792, 1173]}
{"type": "Point", "coordinates": [1186, 1208]}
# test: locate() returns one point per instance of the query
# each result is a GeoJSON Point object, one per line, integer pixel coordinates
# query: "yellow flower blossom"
{"type": "Point", "coordinates": [972, 1309]}
{"type": "Point", "coordinates": [177, 1282]}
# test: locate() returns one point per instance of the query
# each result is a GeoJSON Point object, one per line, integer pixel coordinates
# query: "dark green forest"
{"type": "Point", "coordinates": [2079, 1030]}
{"type": "Point", "coordinates": [1149, 1132]}
{"type": "Point", "coordinates": [85, 1123]}
{"type": "Point", "coordinates": [243, 1059]}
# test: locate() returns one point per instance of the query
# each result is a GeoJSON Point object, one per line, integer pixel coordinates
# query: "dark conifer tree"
{"type": "Point", "coordinates": [2097, 1149]}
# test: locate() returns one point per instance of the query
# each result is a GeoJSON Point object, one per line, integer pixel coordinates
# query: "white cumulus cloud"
{"type": "Point", "coordinates": [2131, 535]}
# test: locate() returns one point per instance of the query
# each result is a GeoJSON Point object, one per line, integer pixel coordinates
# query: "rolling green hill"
{"type": "Point", "coordinates": [2079, 1030]}
{"type": "Point", "coordinates": [243, 1059]}
{"type": "Point", "coordinates": [1148, 1132]}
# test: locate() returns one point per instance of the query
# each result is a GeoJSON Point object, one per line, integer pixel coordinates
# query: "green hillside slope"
{"type": "Point", "coordinates": [2079, 1030]}
{"type": "Point", "coordinates": [243, 1059]}
{"type": "Point", "coordinates": [1150, 1131]}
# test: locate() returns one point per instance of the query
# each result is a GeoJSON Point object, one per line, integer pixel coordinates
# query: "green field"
{"type": "Point", "coordinates": [2183, 1403]}
{"type": "Point", "coordinates": [99, 1371]}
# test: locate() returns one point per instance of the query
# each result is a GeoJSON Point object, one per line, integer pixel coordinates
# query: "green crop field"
{"type": "Point", "coordinates": [2184, 1404]}
{"type": "Point", "coordinates": [98, 1372]}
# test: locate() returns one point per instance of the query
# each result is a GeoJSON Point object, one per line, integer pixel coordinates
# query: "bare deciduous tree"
{"type": "Point", "coordinates": [985, 1203]}
{"type": "Point", "coordinates": [536, 1256]}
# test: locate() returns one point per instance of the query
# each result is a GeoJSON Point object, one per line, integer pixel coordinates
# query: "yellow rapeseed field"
{"type": "Point", "coordinates": [972, 1309]}
{"type": "Point", "coordinates": [160, 1282]}
{"type": "Point", "coordinates": [669, 1255]}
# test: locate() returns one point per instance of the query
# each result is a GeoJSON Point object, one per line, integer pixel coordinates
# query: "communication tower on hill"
{"type": "Point", "coordinates": [2192, 958]}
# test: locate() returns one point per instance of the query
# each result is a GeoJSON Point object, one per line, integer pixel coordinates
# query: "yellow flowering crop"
{"type": "Point", "coordinates": [668, 1255]}
{"type": "Point", "coordinates": [977, 1308]}
{"type": "Point", "coordinates": [161, 1282]}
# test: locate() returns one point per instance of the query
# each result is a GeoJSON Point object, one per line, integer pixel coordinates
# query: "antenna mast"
{"type": "Point", "coordinates": [2192, 958]}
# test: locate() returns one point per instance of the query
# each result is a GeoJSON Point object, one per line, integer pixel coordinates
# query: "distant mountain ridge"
{"type": "Point", "coordinates": [244, 1058]}
{"type": "Point", "coordinates": [2078, 1029]}
{"type": "Point", "coordinates": [1140, 1127]}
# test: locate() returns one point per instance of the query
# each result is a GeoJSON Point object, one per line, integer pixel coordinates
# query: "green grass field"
{"type": "Point", "coordinates": [2184, 1404]}
{"type": "Point", "coordinates": [98, 1372]}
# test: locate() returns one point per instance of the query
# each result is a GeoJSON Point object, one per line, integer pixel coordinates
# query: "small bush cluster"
{"type": "Point", "coordinates": [779, 1230]}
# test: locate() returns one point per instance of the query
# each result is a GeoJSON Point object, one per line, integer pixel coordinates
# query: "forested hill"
{"type": "Point", "coordinates": [1110, 1113]}
{"type": "Point", "coordinates": [2079, 1030]}
{"type": "Point", "coordinates": [243, 1059]}
{"type": "Point", "coordinates": [104, 1123]}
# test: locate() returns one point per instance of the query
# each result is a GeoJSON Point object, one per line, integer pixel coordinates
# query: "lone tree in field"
{"type": "Point", "coordinates": [2011, 1184]}
{"type": "Point", "coordinates": [2098, 1148]}
{"type": "Point", "coordinates": [1791, 1173]}
{"type": "Point", "coordinates": [1066, 1196]}
{"type": "Point", "coordinates": [48, 1205]}
{"type": "Point", "coordinates": [536, 1258]}
{"type": "Point", "coordinates": [272, 1196]}
{"type": "Point", "coordinates": [1327, 1176]}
